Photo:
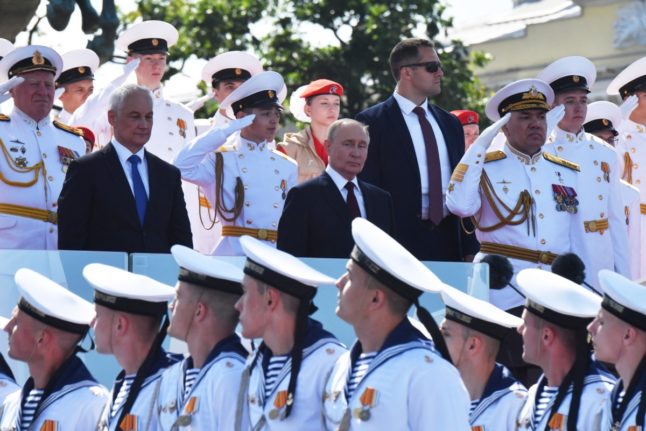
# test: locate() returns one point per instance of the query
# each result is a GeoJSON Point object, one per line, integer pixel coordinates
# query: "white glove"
{"type": "Point", "coordinates": [127, 70]}
{"type": "Point", "coordinates": [199, 102]}
{"type": "Point", "coordinates": [59, 92]}
{"type": "Point", "coordinates": [216, 136]}
{"type": "Point", "coordinates": [628, 106]}
{"type": "Point", "coordinates": [554, 117]}
{"type": "Point", "coordinates": [12, 83]}
{"type": "Point", "coordinates": [487, 136]}
{"type": "Point", "coordinates": [238, 124]}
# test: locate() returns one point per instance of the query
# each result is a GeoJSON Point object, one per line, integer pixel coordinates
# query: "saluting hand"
{"type": "Point", "coordinates": [12, 83]}
{"type": "Point", "coordinates": [554, 117]}
{"type": "Point", "coordinates": [628, 106]}
{"type": "Point", "coordinates": [486, 137]}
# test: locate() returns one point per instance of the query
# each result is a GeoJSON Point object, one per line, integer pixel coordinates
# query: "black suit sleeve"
{"type": "Point", "coordinates": [74, 207]}
{"type": "Point", "coordinates": [392, 231]}
{"type": "Point", "coordinates": [292, 227]}
{"type": "Point", "coordinates": [179, 229]}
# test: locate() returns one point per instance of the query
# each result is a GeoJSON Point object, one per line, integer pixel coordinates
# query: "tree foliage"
{"type": "Point", "coordinates": [362, 33]}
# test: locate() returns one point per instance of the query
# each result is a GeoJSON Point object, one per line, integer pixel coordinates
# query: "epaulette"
{"type": "Point", "coordinates": [224, 149]}
{"type": "Point", "coordinates": [4, 117]}
{"type": "Point", "coordinates": [284, 156]}
{"type": "Point", "coordinates": [68, 129]}
{"type": "Point", "coordinates": [560, 161]}
{"type": "Point", "coordinates": [492, 156]}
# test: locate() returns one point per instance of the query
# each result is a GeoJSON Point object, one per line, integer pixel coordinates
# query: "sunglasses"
{"type": "Point", "coordinates": [430, 66]}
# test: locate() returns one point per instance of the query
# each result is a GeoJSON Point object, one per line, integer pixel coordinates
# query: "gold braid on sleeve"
{"type": "Point", "coordinates": [219, 192]}
{"type": "Point", "coordinates": [628, 169]}
{"type": "Point", "coordinates": [522, 211]}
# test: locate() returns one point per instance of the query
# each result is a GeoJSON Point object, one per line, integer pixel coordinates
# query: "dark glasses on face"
{"type": "Point", "coordinates": [430, 66]}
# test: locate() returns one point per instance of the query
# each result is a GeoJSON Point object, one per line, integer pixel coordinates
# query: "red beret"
{"type": "Point", "coordinates": [88, 135]}
{"type": "Point", "coordinates": [466, 117]}
{"type": "Point", "coordinates": [322, 86]}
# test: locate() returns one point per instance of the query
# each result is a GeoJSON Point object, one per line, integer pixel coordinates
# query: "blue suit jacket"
{"type": "Point", "coordinates": [392, 166]}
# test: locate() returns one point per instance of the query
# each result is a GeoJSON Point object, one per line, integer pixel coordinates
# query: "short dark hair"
{"type": "Point", "coordinates": [405, 52]}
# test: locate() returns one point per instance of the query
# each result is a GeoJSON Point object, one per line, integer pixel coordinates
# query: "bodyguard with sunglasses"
{"type": "Point", "coordinates": [414, 146]}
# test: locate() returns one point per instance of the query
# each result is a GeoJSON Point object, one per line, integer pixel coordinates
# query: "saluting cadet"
{"type": "Point", "coordinates": [523, 200]}
{"type": "Point", "coordinates": [473, 330]}
{"type": "Point", "coordinates": [200, 392]}
{"type": "Point", "coordinates": [602, 120]}
{"type": "Point", "coordinates": [600, 217]}
{"type": "Point", "coordinates": [246, 182]}
{"type": "Point", "coordinates": [619, 337]}
{"type": "Point", "coordinates": [77, 80]}
{"type": "Point", "coordinates": [45, 331]}
{"type": "Point", "coordinates": [7, 380]}
{"type": "Point", "coordinates": [129, 309]}
{"type": "Point", "coordinates": [36, 151]}
{"type": "Point", "coordinates": [283, 381]}
{"type": "Point", "coordinates": [387, 380]}
{"type": "Point", "coordinates": [632, 135]}
{"type": "Point", "coordinates": [573, 388]}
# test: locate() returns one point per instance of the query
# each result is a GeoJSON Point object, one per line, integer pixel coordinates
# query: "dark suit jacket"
{"type": "Point", "coordinates": [392, 166]}
{"type": "Point", "coordinates": [96, 208]}
{"type": "Point", "coordinates": [315, 220]}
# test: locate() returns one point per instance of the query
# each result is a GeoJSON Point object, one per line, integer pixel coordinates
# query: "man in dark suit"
{"type": "Point", "coordinates": [316, 220]}
{"type": "Point", "coordinates": [123, 198]}
{"type": "Point", "coordinates": [414, 147]}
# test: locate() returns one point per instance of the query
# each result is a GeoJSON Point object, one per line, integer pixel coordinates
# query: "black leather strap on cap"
{"type": "Point", "coordinates": [279, 281]}
{"type": "Point", "coordinates": [64, 325]}
{"type": "Point", "coordinates": [128, 305]}
{"type": "Point", "coordinates": [624, 313]}
{"type": "Point", "coordinates": [491, 329]}
{"type": "Point", "coordinates": [226, 286]}
{"type": "Point", "coordinates": [563, 320]}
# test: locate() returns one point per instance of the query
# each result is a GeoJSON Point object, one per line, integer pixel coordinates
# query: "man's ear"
{"type": "Point", "coordinates": [111, 116]}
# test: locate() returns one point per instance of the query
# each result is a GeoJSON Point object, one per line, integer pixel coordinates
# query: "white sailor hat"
{"type": "Point", "coordinates": [232, 65]}
{"type": "Point", "coordinates": [52, 304]}
{"type": "Point", "coordinates": [602, 115]}
{"type": "Point", "coordinates": [261, 89]}
{"type": "Point", "coordinates": [206, 271]}
{"type": "Point", "coordinates": [477, 314]}
{"type": "Point", "coordinates": [557, 299]}
{"type": "Point", "coordinates": [148, 37]}
{"type": "Point", "coordinates": [281, 270]}
{"type": "Point", "coordinates": [297, 105]}
{"type": "Point", "coordinates": [78, 65]}
{"type": "Point", "coordinates": [29, 59]}
{"type": "Point", "coordinates": [629, 80]}
{"type": "Point", "coordinates": [5, 47]}
{"type": "Point", "coordinates": [624, 298]}
{"type": "Point", "coordinates": [389, 262]}
{"type": "Point", "coordinates": [3, 323]}
{"type": "Point", "coordinates": [570, 73]}
{"type": "Point", "coordinates": [125, 291]}
{"type": "Point", "coordinates": [520, 95]}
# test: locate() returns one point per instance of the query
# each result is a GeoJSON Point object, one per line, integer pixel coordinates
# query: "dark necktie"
{"type": "Point", "coordinates": [353, 205]}
{"type": "Point", "coordinates": [141, 199]}
{"type": "Point", "coordinates": [436, 204]}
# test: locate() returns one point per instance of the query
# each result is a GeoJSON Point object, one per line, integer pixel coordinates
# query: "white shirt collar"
{"type": "Point", "coordinates": [338, 179]}
{"type": "Point", "coordinates": [407, 105]}
{"type": "Point", "coordinates": [123, 153]}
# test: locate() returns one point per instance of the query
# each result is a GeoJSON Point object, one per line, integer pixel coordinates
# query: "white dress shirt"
{"type": "Point", "coordinates": [415, 130]}
{"type": "Point", "coordinates": [123, 153]}
{"type": "Point", "coordinates": [340, 182]}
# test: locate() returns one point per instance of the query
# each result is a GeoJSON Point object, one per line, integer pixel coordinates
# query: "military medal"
{"type": "Point", "coordinates": [283, 187]}
{"type": "Point", "coordinates": [279, 405]}
{"type": "Point", "coordinates": [181, 124]}
{"type": "Point", "coordinates": [49, 425]}
{"type": "Point", "coordinates": [504, 183]}
{"type": "Point", "coordinates": [565, 198]}
{"type": "Point", "coordinates": [184, 420]}
{"type": "Point", "coordinates": [556, 422]}
{"type": "Point", "coordinates": [606, 171]}
{"type": "Point", "coordinates": [367, 400]}
{"type": "Point", "coordinates": [65, 156]}
{"type": "Point", "coordinates": [129, 423]}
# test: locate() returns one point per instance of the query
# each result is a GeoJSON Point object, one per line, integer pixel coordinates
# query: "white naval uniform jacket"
{"type": "Point", "coordinates": [600, 198]}
{"type": "Point", "coordinates": [631, 198]}
{"type": "Point", "coordinates": [628, 421]}
{"type": "Point", "coordinates": [500, 403]}
{"type": "Point", "coordinates": [598, 385]}
{"type": "Point", "coordinates": [414, 389]}
{"type": "Point", "coordinates": [34, 159]}
{"type": "Point", "coordinates": [144, 407]}
{"type": "Point", "coordinates": [510, 173]}
{"type": "Point", "coordinates": [73, 400]}
{"type": "Point", "coordinates": [7, 383]}
{"type": "Point", "coordinates": [267, 175]}
{"type": "Point", "coordinates": [211, 402]}
{"type": "Point", "coordinates": [320, 351]}
{"type": "Point", "coordinates": [632, 150]}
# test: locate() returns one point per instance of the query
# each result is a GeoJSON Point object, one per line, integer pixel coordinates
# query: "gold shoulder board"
{"type": "Point", "coordinates": [559, 161]}
{"type": "Point", "coordinates": [4, 117]}
{"type": "Point", "coordinates": [69, 129]}
{"type": "Point", "coordinates": [495, 155]}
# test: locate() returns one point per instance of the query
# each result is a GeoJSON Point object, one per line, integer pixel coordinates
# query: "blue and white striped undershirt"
{"type": "Point", "coordinates": [189, 380]}
{"type": "Point", "coordinates": [29, 409]}
{"type": "Point", "coordinates": [276, 363]}
{"type": "Point", "coordinates": [124, 390]}
{"type": "Point", "coordinates": [542, 401]}
{"type": "Point", "coordinates": [473, 406]}
{"type": "Point", "coordinates": [359, 371]}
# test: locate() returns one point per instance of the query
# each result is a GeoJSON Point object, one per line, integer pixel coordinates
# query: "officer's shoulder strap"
{"type": "Point", "coordinates": [492, 156]}
{"type": "Point", "coordinates": [561, 161]}
{"type": "Point", "coordinates": [4, 117]}
{"type": "Point", "coordinates": [69, 129]}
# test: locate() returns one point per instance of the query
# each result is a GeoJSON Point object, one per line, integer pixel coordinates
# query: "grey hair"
{"type": "Point", "coordinates": [343, 122]}
{"type": "Point", "coordinates": [122, 93]}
